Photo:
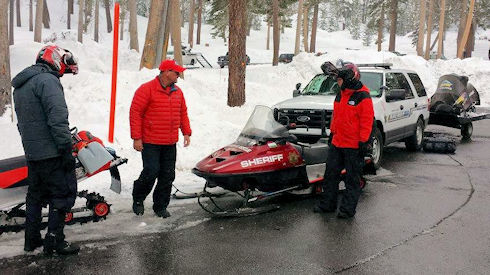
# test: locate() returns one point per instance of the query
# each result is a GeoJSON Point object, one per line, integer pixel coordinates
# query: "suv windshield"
{"type": "Point", "coordinates": [373, 81]}
{"type": "Point", "coordinates": [260, 127]}
{"type": "Point", "coordinates": [321, 85]}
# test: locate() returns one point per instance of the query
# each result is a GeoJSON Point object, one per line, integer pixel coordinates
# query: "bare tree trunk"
{"type": "Point", "coordinates": [88, 13]}
{"type": "Point", "coordinates": [17, 7]}
{"type": "Point", "coordinates": [275, 31]}
{"type": "Point", "coordinates": [163, 33]}
{"type": "Point", "coordinates": [107, 6]}
{"type": "Point", "coordinates": [313, 29]}
{"type": "Point", "coordinates": [11, 22]}
{"type": "Point", "coordinates": [31, 25]}
{"type": "Point", "coordinates": [38, 28]}
{"type": "Point", "coordinates": [462, 21]}
{"type": "Point", "coordinates": [420, 39]}
{"type": "Point", "coordinates": [148, 57]}
{"type": "Point", "coordinates": [80, 21]}
{"type": "Point", "coordinates": [199, 14]}
{"type": "Point", "coordinates": [440, 45]}
{"type": "Point", "coordinates": [68, 15]}
{"type": "Point", "coordinates": [470, 44]}
{"type": "Point", "coordinates": [298, 28]}
{"type": "Point", "coordinates": [381, 24]}
{"type": "Point", "coordinates": [267, 46]}
{"type": "Point", "coordinates": [70, 6]}
{"type": "Point", "coordinates": [46, 15]}
{"type": "Point", "coordinates": [237, 10]}
{"type": "Point", "coordinates": [175, 31]}
{"type": "Point", "coordinates": [122, 18]}
{"type": "Point", "coordinates": [133, 26]}
{"type": "Point", "coordinates": [466, 32]}
{"type": "Point", "coordinates": [5, 88]}
{"type": "Point", "coordinates": [190, 38]}
{"type": "Point", "coordinates": [393, 18]}
{"type": "Point", "coordinates": [305, 27]}
{"type": "Point", "coordinates": [96, 28]}
{"type": "Point", "coordinates": [429, 30]}
{"type": "Point", "coordinates": [166, 31]}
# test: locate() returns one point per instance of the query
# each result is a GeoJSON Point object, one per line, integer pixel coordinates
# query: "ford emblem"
{"type": "Point", "coordinates": [303, 118]}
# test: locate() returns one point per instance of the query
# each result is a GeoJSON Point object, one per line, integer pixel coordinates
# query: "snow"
{"type": "Point", "coordinates": [214, 124]}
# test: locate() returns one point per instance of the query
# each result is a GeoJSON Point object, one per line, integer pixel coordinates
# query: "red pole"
{"type": "Point", "coordinates": [114, 72]}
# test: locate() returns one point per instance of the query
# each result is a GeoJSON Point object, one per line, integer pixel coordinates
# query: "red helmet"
{"type": "Point", "coordinates": [350, 72]}
{"type": "Point", "coordinates": [59, 59]}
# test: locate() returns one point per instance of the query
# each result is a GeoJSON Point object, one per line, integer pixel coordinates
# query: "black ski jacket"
{"type": "Point", "coordinates": [41, 112]}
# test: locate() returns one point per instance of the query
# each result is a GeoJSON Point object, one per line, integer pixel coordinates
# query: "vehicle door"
{"type": "Point", "coordinates": [421, 101]}
{"type": "Point", "coordinates": [397, 110]}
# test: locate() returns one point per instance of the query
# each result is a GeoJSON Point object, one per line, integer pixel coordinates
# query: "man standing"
{"type": "Point", "coordinates": [157, 112]}
{"type": "Point", "coordinates": [43, 125]}
{"type": "Point", "coordinates": [350, 132]}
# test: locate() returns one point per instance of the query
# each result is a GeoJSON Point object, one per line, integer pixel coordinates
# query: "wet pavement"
{"type": "Point", "coordinates": [423, 213]}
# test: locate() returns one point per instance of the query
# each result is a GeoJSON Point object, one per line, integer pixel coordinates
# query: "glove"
{"type": "Point", "coordinates": [330, 138]}
{"type": "Point", "coordinates": [67, 159]}
{"type": "Point", "coordinates": [363, 148]}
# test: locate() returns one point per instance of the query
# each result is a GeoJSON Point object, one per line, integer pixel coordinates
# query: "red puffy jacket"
{"type": "Point", "coordinates": [353, 117]}
{"type": "Point", "coordinates": [157, 113]}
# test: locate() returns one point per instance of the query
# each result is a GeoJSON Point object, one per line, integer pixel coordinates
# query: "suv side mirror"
{"type": "Point", "coordinates": [395, 94]}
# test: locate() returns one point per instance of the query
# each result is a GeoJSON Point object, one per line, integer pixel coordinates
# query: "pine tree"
{"type": "Point", "coordinates": [218, 18]}
{"type": "Point", "coordinates": [5, 88]}
{"type": "Point", "coordinates": [237, 50]}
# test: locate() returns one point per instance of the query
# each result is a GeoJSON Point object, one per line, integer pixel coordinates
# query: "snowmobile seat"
{"type": "Point", "coordinates": [315, 153]}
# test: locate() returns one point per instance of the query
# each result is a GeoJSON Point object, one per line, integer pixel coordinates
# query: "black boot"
{"type": "Point", "coordinates": [138, 208]}
{"type": "Point", "coordinates": [31, 244]}
{"type": "Point", "coordinates": [55, 243]}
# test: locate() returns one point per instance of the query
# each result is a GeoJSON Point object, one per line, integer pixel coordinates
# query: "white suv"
{"type": "Point", "coordinates": [399, 99]}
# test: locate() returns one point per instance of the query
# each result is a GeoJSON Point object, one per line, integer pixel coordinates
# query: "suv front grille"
{"type": "Point", "coordinates": [311, 118]}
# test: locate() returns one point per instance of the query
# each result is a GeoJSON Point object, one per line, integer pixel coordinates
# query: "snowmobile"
{"type": "Point", "coordinates": [453, 104]}
{"type": "Point", "coordinates": [268, 159]}
{"type": "Point", "coordinates": [91, 158]}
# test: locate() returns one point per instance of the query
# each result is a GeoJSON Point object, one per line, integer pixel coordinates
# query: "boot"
{"type": "Point", "coordinates": [55, 243]}
{"type": "Point", "coordinates": [138, 208]}
{"type": "Point", "coordinates": [163, 213]}
{"type": "Point", "coordinates": [31, 244]}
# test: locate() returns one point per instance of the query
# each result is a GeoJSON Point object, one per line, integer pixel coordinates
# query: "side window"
{"type": "Point", "coordinates": [398, 81]}
{"type": "Point", "coordinates": [419, 87]}
{"type": "Point", "coordinates": [405, 85]}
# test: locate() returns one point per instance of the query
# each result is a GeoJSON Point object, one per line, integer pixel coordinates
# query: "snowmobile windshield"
{"type": "Point", "coordinates": [322, 85]}
{"type": "Point", "coordinates": [373, 81]}
{"type": "Point", "coordinates": [261, 127]}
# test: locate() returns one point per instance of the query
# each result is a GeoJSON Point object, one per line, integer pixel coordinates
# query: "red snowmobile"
{"type": "Point", "coordinates": [265, 158]}
{"type": "Point", "coordinates": [91, 158]}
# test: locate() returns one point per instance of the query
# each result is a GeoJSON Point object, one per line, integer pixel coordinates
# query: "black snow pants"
{"type": "Point", "coordinates": [49, 183]}
{"type": "Point", "coordinates": [158, 163]}
{"type": "Point", "coordinates": [338, 159]}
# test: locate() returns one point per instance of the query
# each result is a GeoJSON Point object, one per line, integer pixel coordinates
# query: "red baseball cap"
{"type": "Point", "coordinates": [170, 65]}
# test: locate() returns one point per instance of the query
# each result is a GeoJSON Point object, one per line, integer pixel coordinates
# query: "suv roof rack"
{"type": "Point", "coordinates": [376, 65]}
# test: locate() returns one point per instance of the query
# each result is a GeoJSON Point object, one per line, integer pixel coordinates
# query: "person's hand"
{"type": "Point", "coordinates": [330, 138]}
{"type": "Point", "coordinates": [363, 148]}
{"type": "Point", "coordinates": [138, 145]}
{"type": "Point", "coordinates": [67, 159]}
{"type": "Point", "coordinates": [187, 140]}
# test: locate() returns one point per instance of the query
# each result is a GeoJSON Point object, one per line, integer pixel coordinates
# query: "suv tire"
{"type": "Point", "coordinates": [414, 142]}
{"type": "Point", "coordinates": [377, 148]}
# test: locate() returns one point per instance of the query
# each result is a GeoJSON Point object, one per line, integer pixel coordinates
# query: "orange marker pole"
{"type": "Point", "coordinates": [114, 72]}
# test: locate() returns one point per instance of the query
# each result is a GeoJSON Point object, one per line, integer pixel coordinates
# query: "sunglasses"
{"type": "Point", "coordinates": [178, 74]}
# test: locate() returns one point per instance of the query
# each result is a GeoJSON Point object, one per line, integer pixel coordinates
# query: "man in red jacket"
{"type": "Point", "coordinates": [350, 132]}
{"type": "Point", "coordinates": [157, 112]}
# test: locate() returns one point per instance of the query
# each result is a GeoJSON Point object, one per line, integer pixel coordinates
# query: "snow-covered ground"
{"type": "Point", "coordinates": [214, 124]}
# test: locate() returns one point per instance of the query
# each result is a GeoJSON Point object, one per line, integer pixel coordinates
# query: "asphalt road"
{"type": "Point", "coordinates": [423, 214]}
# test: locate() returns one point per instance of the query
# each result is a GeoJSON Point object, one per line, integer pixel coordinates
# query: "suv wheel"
{"type": "Point", "coordinates": [377, 148]}
{"type": "Point", "coordinates": [414, 142]}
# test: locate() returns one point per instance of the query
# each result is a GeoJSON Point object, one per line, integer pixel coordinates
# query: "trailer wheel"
{"type": "Point", "coordinates": [414, 142]}
{"type": "Point", "coordinates": [467, 130]}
